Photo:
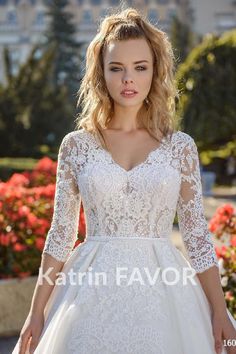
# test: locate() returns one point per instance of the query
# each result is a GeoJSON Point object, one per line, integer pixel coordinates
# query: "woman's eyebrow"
{"type": "Point", "coordinates": [136, 62]}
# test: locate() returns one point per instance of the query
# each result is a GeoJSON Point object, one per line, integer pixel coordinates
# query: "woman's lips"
{"type": "Point", "coordinates": [129, 93]}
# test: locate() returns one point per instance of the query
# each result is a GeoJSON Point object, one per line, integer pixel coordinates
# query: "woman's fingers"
{"type": "Point", "coordinates": [217, 331]}
{"type": "Point", "coordinates": [33, 343]}
{"type": "Point", "coordinates": [30, 334]}
{"type": "Point", "coordinates": [23, 341]}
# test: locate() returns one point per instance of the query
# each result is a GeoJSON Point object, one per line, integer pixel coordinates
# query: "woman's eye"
{"type": "Point", "coordinates": [139, 68]}
{"type": "Point", "coordinates": [114, 69]}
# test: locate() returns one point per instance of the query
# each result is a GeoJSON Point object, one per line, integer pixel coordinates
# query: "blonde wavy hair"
{"type": "Point", "coordinates": [97, 107]}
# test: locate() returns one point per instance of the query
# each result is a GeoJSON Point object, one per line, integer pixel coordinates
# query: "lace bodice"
{"type": "Point", "coordinates": [141, 202]}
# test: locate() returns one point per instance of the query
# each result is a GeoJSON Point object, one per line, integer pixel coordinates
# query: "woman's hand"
{"type": "Point", "coordinates": [30, 333]}
{"type": "Point", "coordinates": [223, 329]}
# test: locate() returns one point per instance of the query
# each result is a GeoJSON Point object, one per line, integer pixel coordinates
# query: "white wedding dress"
{"type": "Point", "coordinates": [129, 220]}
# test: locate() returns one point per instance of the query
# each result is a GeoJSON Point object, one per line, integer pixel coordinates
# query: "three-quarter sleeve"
{"type": "Point", "coordinates": [190, 211]}
{"type": "Point", "coordinates": [64, 226]}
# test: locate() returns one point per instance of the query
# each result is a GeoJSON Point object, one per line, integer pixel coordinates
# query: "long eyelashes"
{"type": "Point", "coordinates": [117, 69]}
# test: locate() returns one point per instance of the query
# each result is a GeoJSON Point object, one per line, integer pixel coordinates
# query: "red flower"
{"type": "Point", "coordinates": [14, 238]}
{"type": "Point", "coordinates": [233, 241]}
{"type": "Point", "coordinates": [218, 251]}
{"type": "Point", "coordinates": [4, 240]}
{"type": "Point", "coordinates": [224, 249]}
{"type": "Point", "coordinates": [226, 208]}
{"type": "Point", "coordinates": [45, 164]}
{"type": "Point", "coordinates": [39, 243]}
{"type": "Point", "coordinates": [17, 179]}
{"type": "Point", "coordinates": [229, 295]}
{"type": "Point", "coordinates": [212, 226]}
{"type": "Point", "coordinates": [21, 225]}
{"type": "Point", "coordinates": [32, 219]}
{"type": "Point", "coordinates": [18, 247]}
{"type": "Point", "coordinates": [224, 221]}
{"type": "Point", "coordinates": [26, 207]}
{"type": "Point", "coordinates": [23, 211]}
{"type": "Point", "coordinates": [221, 251]}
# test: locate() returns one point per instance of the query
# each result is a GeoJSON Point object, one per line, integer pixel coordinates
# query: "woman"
{"type": "Point", "coordinates": [132, 170]}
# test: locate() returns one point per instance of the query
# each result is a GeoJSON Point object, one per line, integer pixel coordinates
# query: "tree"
{"type": "Point", "coordinates": [32, 112]}
{"type": "Point", "coordinates": [182, 39]}
{"type": "Point", "coordinates": [207, 81]}
{"type": "Point", "coordinates": [61, 33]}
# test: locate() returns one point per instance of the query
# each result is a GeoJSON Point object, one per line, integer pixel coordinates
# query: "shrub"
{"type": "Point", "coordinates": [223, 225]}
{"type": "Point", "coordinates": [26, 210]}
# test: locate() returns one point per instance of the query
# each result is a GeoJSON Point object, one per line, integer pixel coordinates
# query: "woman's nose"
{"type": "Point", "coordinates": [127, 79]}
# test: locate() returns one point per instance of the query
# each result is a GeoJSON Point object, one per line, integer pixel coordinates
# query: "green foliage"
{"type": "Point", "coordinates": [37, 106]}
{"type": "Point", "coordinates": [32, 112]}
{"type": "Point", "coordinates": [182, 39]}
{"type": "Point", "coordinates": [61, 33]}
{"type": "Point", "coordinates": [18, 163]}
{"type": "Point", "coordinates": [207, 81]}
{"type": "Point", "coordinates": [223, 152]}
{"type": "Point", "coordinates": [10, 165]}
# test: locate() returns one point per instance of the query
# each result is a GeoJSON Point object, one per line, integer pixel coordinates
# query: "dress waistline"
{"type": "Point", "coordinates": [116, 238]}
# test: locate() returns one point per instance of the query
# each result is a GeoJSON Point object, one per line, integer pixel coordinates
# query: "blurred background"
{"type": "Point", "coordinates": [42, 60]}
{"type": "Point", "coordinates": [42, 50]}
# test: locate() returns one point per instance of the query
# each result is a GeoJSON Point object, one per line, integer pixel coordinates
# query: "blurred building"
{"type": "Point", "coordinates": [213, 16]}
{"type": "Point", "coordinates": [23, 22]}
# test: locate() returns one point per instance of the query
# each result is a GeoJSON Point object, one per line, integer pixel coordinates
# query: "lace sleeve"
{"type": "Point", "coordinates": [64, 226]}
{"type": "Point", "coordinates": [190, 211]}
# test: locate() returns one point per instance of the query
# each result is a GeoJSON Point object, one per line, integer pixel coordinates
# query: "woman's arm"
{"type": "Point", "coordinates": [64, 227]}
{"type": "Point", "coordinates": [211, 284]}
{"type": "Point", "coordinates": [33, 326]}
{"type": "Point", "coordinates": [222, 325]}
{"type": "Point", "coordinates": [198, 241]}
{"type": "Point", "coordinates": [190, 211]}
{"type": "Point", "coordinates": [44, 286]}
{"type": "Point", "coordinates": [59, 242]}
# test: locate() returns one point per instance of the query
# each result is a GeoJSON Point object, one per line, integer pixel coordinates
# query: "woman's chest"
{"type": "Point", "coordinates": [159, 174]}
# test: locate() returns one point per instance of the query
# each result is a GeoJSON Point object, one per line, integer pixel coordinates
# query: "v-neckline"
{"type": "Point", "coordinates": [116, 164]}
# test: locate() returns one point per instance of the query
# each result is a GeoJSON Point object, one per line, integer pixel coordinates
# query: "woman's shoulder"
{"type": "Point", "coordinates": [182, 138]}
{"type": "Point", "coordinates": [76, 136]}
{"type": "Point", "coordinates": [182, 144]}
{"type": "Point", "coordinates": [77, 143]}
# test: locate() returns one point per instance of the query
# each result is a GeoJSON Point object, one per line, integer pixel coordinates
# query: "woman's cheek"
{"type": "Point", "coordinates": [113, 87]}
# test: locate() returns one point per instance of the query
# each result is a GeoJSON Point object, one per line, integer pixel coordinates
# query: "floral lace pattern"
{"type": "Point", "coordinates": [137, 318]}
{"type": "Point", "coordinates": [129, 220]}
{"type": "Point", "coordinates": [63, 231]}
{"type": "Point", "coordinates": [141, 202]}
{"type": "Point", "coordinates": [119, 309]}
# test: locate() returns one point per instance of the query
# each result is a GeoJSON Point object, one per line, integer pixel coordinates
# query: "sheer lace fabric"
{"type": "Point", "coordinates": [63, 231]}
{"type": "Point", "coordinates": [129, 220]}
{"type": "Point", "coordinates": [141, 202]}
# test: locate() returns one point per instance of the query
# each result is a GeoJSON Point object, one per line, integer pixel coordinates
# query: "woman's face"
{"type": "Point", "coordinates": [128, 65]}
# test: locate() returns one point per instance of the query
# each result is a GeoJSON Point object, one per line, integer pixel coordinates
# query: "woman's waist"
{"type": "Point", "coordinates": [104, 238]}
